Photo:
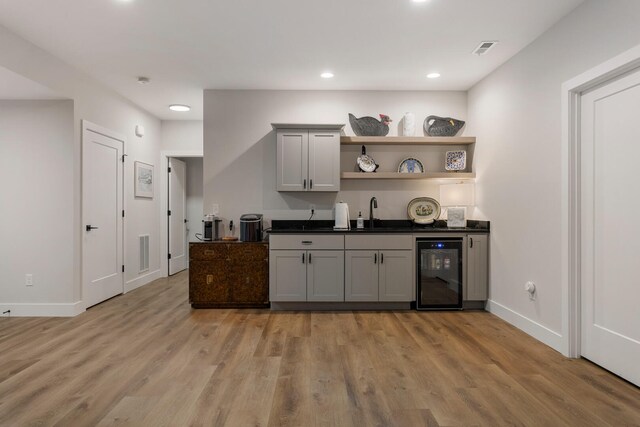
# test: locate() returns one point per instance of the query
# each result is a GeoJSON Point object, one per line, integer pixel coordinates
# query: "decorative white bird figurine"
{"type": "Point", "coordinates": [369, 126]}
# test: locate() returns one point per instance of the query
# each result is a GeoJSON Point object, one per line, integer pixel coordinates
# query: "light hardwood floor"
{"type": "Point", "coordinates": [147, 359]}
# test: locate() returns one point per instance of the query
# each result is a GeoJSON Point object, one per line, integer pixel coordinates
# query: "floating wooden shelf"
{"type": "Point", "coordinates": [407, 140]}
{"type": "Point", "coordinates": [398, 175]}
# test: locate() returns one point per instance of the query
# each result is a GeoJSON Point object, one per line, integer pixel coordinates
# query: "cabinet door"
{"type": "Point", "coordinates": [324, 161]}
{"type": "Point", "coordinates": [208, 281]}
{"type": "Point", "coordinates": [325, 276]}
{"type": "Point", "coordinates": [361, 276]}
{"type": "Point", "coordinates": [292, 161]}
{"type": "Point", "coordinates": [396, 276]}
{"type": "Point", "coordinates": [249, 277]}
{"type": "Point", "coordinates": [287, 276]}
{"type": "Point", "coordinates": [477, 267]}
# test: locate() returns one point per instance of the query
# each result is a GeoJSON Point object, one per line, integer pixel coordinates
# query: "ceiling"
{"type": "Point", "coordinates": [186, 46]}
{"type": "Point", "coordinates": [14, 86]}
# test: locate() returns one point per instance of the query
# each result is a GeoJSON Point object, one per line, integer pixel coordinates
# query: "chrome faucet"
{"type": "Point", "coordinates": [373, 203]}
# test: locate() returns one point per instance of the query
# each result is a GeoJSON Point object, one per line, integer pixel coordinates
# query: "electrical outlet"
{"type": "Point", "coordinates": [312, 207]}
{"type": "Point", "coordinates": [28, 279]}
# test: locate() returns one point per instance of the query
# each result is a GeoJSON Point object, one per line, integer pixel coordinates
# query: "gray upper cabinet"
{"type": "Point", "coordinates": [477, 267]}
{"type": "Point", "coordinates": [293, 163]}
{"type": "Point", "coordinates": [308, 157]}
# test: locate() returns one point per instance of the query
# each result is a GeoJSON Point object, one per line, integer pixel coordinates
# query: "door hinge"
{"type": "Point", "coordinates": [122, 213]}
{"type": "Point", "coordinates": [123, 156]}
{"type": "Point", "coordinates": [168, 256]}
{"type": "Point", "coordinates": [123, 268]}
{"type": "Point", "coordinates": [169, 170]}
{"type": "Point", "coordinates": [169, 213]}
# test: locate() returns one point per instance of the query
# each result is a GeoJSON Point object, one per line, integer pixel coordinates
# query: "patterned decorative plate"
{"type": "Point", "coordinates": [423, 210]}
{"type": "Point", "coordinates": [411, 165]}
{"type": "Point", "coordinates": [456, 160]}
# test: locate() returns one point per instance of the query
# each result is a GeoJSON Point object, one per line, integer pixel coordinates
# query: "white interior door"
{"type": "Point", "coordinates": [102, 202]}
{"type": "Point", "coordinates": [178, 216]}
{"type": "Point", "coordinates": [610, 230]}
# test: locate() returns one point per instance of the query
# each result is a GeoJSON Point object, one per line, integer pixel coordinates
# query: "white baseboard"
{"type": "Point", "coordinates": [43, 309]}
{"type": "Point", "coordinates": [142, 280]}
{"type": "Point", "coordinates": [536, 330]}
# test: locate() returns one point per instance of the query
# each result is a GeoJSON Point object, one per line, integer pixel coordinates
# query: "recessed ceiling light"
{"type": "Point", "coordinates": [179, 107]}
{"type": "Point", "coordinates": [144, 80]}
{"type": "Point", "coordinates": [327, 75]}
{"type": "Point", "coordinates": [433, 75]}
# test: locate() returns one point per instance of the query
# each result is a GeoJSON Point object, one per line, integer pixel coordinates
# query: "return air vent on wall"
{"type": "Point", "coordinates": [144, 253]}
{"type": "Point", "coordinates": [484, 47]}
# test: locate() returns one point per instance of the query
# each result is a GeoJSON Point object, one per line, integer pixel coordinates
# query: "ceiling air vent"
{"type": "Point", "coordinates": [484, 47]}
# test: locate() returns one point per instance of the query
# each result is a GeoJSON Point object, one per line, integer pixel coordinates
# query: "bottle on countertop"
{"type": "Point", "coordinates": [360, 221]}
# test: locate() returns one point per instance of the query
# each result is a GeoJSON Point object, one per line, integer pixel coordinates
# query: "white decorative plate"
{"type": "Point", "coordinates": [456, 160]}
{"type": "Point", "coordinates": [423, 210]}
{"type": "Point", "coordinates": [411, 165]}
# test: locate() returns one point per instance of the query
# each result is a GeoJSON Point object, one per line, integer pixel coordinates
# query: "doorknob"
{"type": "Point", "coordinates": [89, 228]}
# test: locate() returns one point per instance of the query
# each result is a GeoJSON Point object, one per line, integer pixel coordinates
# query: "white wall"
{"type": "Point", "coordinates": [36, 218]}
{"type": "Point", "coordinates": [240, 149]}
{"type": "Point", "coordinates": [100, 105]}
{"type": "Point", "coordinates": [515, 113]}
{"type": "Point", "coordinates": [181, 135]}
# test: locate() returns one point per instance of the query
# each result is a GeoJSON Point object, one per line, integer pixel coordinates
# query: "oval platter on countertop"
{"type": "Point", "coordinates": [423, 210]}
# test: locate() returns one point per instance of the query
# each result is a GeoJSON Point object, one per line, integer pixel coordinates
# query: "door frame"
{"type": "Point", "coordinates": [164, 202]}
{"type": "Point", "coordinates": [570, 187]}
{"type": "Point", "coordinates": [89, 126]}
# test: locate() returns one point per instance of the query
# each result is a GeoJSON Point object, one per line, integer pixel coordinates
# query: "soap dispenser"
{"type": "Point", "coordinates": [360, 221]}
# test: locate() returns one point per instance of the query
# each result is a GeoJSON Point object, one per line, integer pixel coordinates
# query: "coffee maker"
{"type": "Point", "coordinates": [211, 231]}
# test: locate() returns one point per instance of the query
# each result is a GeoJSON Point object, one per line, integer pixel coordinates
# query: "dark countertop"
{"type": "Point", "coordinates": [380, 226]}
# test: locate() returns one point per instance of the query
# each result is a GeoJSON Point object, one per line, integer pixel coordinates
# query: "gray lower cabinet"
{"type": "Point", "coordinates": [477, 268]}
{"type": "Point", "coordinates": [378, 275]}
{"type": "Point", "coordinates": [396, 276]}
{"type": "Point", "coordinates": [287, 275]}
{"type": "Point", "coordinates": [325, 276]}
{"type": "Point", "coordinates": [361, 276]}
{"type": "Point", "coordinates": [298, 275]}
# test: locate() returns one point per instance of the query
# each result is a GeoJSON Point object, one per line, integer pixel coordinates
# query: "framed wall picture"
{"type": "Point", "coordinates": [143, 180]}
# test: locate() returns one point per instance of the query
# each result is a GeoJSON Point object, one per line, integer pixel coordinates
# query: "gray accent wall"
{"type": "Point", "coordinates": [240, 149]}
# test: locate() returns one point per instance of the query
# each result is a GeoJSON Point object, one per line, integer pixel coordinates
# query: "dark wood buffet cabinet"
{"type": "Point", "coordinates": [228, 274]}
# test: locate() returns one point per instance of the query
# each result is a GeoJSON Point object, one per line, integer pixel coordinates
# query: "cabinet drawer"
{"type": "Point", "coordinates": [378, 241]}
{"type": "Point", "coordinates": [306, 241]}
{"type": "Point", "coordinates": [207, 252]}
{"type": "Point", "coordinates": [242, 252]}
